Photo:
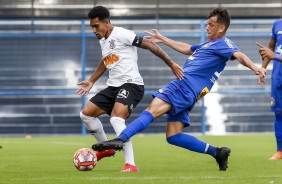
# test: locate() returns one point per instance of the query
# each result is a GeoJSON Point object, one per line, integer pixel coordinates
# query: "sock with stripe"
{"type": "Point", "coordinates": [191, 143]}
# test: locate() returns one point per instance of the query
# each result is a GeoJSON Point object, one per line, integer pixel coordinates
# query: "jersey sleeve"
{"type": "Point", "coordinates": [126, 36]}
{"type": "Point", "coordinates": [195, 47]}
{"type": "Point", "coordinates": [226, 49]}
{"type": "Point", "coordinates": [273, 35]}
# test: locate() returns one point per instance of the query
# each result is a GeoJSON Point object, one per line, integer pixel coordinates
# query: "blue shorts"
{"type": "Point", "coordinates": [276, 95]}
{"type": "Point", "coordinates": [180, 97]}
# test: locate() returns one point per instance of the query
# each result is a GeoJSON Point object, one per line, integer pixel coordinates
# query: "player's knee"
{"type": "Point", "coordinates": [122, 114]}
{"type": "Point", "coordinates": [120, 110]}
{"type": "Point", "coordinates": [117, 121]}
{"type": "Point", "coordinates": [172, 140]}
{"type": "Point", "coordinates": [118, 124]}
{"type": "Point", "coordinates": [83, 117]}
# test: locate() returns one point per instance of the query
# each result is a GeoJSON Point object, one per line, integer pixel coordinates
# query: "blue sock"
{"type": "Point", "coordinates": [191, 143]}
{"type": "Point", "coordinates": [278, 130]}
{"type": "Point", "coordinates": [139, 124]}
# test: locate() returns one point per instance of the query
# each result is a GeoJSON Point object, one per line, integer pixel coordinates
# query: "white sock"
{"type": "Point", "coordinates": [119, 125]}
{"type": "Point", "coordinates": [95, 127]}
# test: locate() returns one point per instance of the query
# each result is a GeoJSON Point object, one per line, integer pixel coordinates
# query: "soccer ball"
{"type": "Point", "coordinates": [85, 159]}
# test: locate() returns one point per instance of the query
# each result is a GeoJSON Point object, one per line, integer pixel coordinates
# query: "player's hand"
{"type": "Point", "coordinates": [261, 80]}
{"type": "Point", "coordinates": [177, 70]}
{"type": "Point", "coordinates": [155, 36]}
{"type": "Point", "coordinates": [261, 72]}
{"type": "Point", "coordinates": [85, 87]}
{"type": "Point", "coordinates": [265, 52]}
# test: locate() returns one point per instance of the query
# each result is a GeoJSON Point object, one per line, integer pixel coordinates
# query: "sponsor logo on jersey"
{"type": "Point", "coordinates": [203, 93]}
{"type": "Point", "coordinates": [279, 32]}
{"type": "Point", "coordinates": [213, 79]}
{"type": "Point", "coordinates": [123, 93]}
{"type": "Point", "coordinates": [206, 45]}
{"type": "Point", "coordinates": [110, 59]}
{"type": "Point", "coordinates": [112, 44]}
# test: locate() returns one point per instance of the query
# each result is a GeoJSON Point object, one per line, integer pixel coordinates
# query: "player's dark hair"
{"type": "Point", "coordinates": [99, 12]}
{"type": "Point", "coordinates": [222, 16]}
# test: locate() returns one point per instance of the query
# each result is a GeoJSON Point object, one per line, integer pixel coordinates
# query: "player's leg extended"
{"type": "Point", "coordinates": [278, 136]}
{"type": "Point", "coordinates": [119, 114]}
{"type": "Point", "coordinates": [177, 138]}
{"type": "Point", "coordinates": [157, 108]}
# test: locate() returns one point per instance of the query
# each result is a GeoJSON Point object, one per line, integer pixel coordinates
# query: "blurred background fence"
{"type": "Point", "coordinates": [42, 61]}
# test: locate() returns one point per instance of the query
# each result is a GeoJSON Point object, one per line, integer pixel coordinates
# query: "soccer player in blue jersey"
{"type": "Point", "coordinates": [274, 52]}
{"type": "Point", "coordinates": [177, 98]}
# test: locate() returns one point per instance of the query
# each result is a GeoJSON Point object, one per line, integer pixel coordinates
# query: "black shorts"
{"type": "Point", "coordinates": [128, 94]}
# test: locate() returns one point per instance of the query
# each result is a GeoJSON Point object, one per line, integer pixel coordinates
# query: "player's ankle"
{"type": "Point", "coordinates": [118, 139]}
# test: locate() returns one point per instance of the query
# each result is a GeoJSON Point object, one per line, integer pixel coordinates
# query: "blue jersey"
{"type": "Point", "coordinates": [277, 36]}
{"type": "Point", "coordinates": [201, 70]}
{"type": "Point", "coordinates": [276, 83]}
{"type": "Point", "coordinates": [204, 66]}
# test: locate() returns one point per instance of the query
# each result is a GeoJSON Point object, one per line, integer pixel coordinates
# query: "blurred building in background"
{"type": "Point", "coordinates": [139, 9]}
{"type": "Point", "coordinates": [47, 47]}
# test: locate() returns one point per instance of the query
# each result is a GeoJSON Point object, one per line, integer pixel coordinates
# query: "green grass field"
{"type": "Point", "coordinates": [49, 160]}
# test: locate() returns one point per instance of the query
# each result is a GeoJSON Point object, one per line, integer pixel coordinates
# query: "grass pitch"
{"type": "Point", "coordinates": [48, 160]}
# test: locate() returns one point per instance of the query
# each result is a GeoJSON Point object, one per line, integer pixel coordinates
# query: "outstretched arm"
{"type": "Point", "coordinates": [85, 86]}
{"type": "Point", "coordinates": [181, 47]}
{"type": "Point", "coordinates": [154, 48]}
{"type": "Point", "coordinates": [244, 60]}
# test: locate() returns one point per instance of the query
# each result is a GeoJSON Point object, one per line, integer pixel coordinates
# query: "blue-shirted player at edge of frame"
{"type": "Point", "coordinates": [178, 97]}
{"type": "Point", "coordinates": [274, 52]}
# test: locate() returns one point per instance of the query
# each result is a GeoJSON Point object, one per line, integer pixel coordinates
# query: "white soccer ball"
{"type": "Point", "coordinates": [85, 159]}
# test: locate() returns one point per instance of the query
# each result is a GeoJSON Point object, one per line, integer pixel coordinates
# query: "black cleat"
{"type": "Point", "coordinates": [221, 157]}
{"type": "Point", "coordinates": [116, 144]}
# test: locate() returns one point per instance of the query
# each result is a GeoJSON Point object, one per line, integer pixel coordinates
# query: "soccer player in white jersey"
{"type": "Point", "coordinates": [125, 84]}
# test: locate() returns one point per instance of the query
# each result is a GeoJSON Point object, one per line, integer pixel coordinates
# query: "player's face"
{"type": "Point", "coordinates": [99, 27]}
{"type": "Point", "coordinates": [214, 29]}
